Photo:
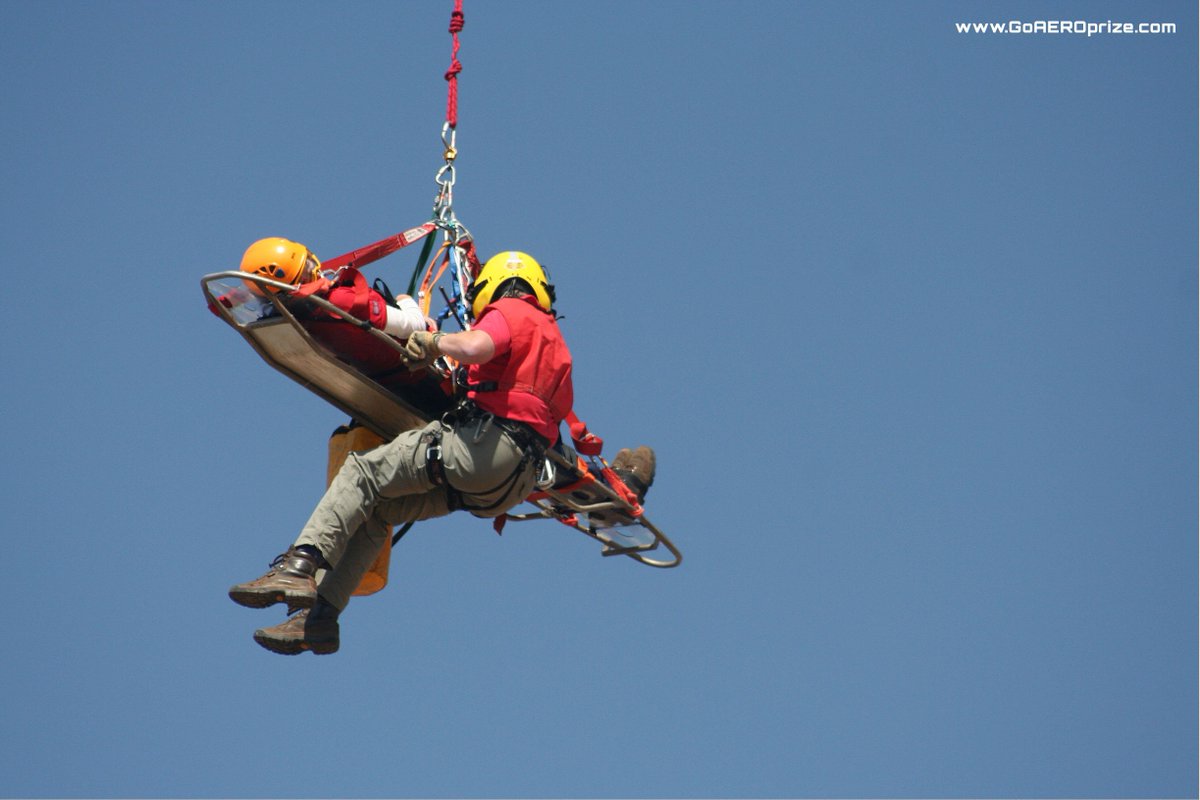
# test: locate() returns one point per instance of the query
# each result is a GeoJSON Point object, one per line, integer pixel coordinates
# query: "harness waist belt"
{"type": "Point", "coordinates": [523, 434]}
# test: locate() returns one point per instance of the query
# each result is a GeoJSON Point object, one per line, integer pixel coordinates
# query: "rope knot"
{"type": "Point", "coordinates": [456, 21]}
{"type": "Point", "coordinates": [455, 68]}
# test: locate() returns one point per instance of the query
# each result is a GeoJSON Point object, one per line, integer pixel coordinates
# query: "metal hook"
{"type": "Point", "coordinates": [482, 426]}
{"type": "Point", "coordinates": [548, 474]}
{"type": "Point", "coordinates": [449, 135]}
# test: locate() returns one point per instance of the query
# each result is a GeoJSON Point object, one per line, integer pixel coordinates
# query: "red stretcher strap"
{"type": "Point", "coordinates": [586, 442]}
{"type": "Point", "coordinates": [319, 286]}
{"type": "Point", "coordinates": [349, 276]}
{"type": "Point", "coordinates": [377, 250]}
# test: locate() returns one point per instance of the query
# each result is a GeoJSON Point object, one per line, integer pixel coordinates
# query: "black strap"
{"type": "Point", "coordinates": [434, 468]}
{"type": "Point", "coordinates": [405, 528]}
{"type": "Point", "coordinates": [505, 484]}
{"type": "Point", "coordinates": [383, 289]}
{"type": "Point", "coordinates": [531, 445]}
{"type": "Point", "coordinates": [460, 380]}
{"type": "Point", "coordinates": [524, 435]}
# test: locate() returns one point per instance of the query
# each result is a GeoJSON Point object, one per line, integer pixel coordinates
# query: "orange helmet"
{"type": "Point", "coordinates": [281, 260]}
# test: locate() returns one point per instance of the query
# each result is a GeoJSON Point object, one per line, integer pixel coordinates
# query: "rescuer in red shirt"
{"type": "Point", "coordinates": [483, 458]}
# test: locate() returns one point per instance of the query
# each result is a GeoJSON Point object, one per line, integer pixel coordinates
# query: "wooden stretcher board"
{"type": "Point", "coordinates": [280, 339]}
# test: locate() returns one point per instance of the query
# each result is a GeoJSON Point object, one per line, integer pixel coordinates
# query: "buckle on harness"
{"type": "Point", "coordinates": [433, 460]}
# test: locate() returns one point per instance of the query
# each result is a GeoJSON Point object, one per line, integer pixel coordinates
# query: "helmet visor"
{"type": "Point", "coordinates": [310, 271]}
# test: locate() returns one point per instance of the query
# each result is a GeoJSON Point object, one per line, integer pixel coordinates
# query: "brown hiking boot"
{"type": "Point", "coordinates": [290, 580]}
{"type": "Point", "coordinates": [636, 469]}
{"type": "Point", "coordinates": [314, 629]}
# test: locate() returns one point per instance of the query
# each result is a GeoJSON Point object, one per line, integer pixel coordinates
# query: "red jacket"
{"type": "Point", "coordinates": [532, 380]}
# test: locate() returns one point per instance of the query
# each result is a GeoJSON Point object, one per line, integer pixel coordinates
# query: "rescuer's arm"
{"type": "Point", "coordinates": [465, 347]}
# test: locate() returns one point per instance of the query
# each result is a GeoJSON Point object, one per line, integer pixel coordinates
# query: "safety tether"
{"type": "Point", "coordinates": [456, 25]}
{"type": "Point", "coordinates": [457, 253]}
{"type": "Point", "coordinates": [443, 212]}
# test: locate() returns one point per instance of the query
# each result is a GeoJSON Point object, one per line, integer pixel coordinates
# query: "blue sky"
{"type": "Point", "coordinates": [909, 316]}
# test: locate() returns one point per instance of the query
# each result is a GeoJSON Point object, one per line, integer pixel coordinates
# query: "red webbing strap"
{"type": "Point", "coordinates": [377, 250]}
{"type": "Point", "coordinates": [586, 442]}
{"type": "Point", "coordinates": [362, 292]}
{"type": "Point", "coordinates": [319, 286]}
{"type": "Point", "coordinates": [347, 277]}
{"type": "Point", "coordinates": [456, 25]}
{"type": "Point", "coordinates": [472, 258]}
{"type": "Point", "coordinates": [587, 480]}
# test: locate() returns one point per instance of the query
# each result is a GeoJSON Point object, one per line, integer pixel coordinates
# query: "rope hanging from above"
{"type": "Point", "coordinates": [456, 25]}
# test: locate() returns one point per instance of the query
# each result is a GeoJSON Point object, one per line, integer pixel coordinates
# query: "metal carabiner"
{"type": "Point", "coordinates": [449, 149]}
{"type": "Point", "coordinates": [547, 475]}
{"type": "Point", "coordinates": [443, 204]}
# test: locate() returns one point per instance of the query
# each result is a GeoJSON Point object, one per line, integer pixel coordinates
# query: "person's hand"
{"type": "Point", "coordinates": [422, 350]}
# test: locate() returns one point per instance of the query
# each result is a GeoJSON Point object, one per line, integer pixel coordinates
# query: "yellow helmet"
{"type": "Point", "coordinates": [504, 267]}
{"type": "Point", "coordinates": [281, 260]}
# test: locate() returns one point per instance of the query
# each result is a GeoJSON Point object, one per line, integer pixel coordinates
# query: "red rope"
{"type": "Point", "coordinates": [456, 25]}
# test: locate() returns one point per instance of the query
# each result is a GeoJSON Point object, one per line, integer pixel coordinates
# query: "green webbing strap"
{"type": "Point", "coordinates": [426, 249]}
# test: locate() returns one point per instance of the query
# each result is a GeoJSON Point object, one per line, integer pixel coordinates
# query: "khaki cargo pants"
{"type": "Point", "coordinates": [390, 485]}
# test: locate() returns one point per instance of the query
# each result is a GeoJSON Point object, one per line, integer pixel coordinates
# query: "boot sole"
{"type": "Point", "coordinates": [293, 647]}
{"type": "Point", "coordinates": [263, 599]}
